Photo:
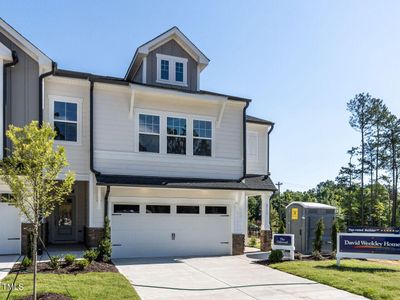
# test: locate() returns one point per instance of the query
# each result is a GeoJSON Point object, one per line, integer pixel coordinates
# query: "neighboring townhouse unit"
{"type": "Point", "coordinates": [169, 164]}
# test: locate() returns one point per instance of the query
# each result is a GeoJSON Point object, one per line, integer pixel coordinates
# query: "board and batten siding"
{"type": "Point", "coordinates": [174, 49]}
{"type": "Point", "coordinates": [257, 148]}
{"type": "Point", "coordinates": [116, 138]}
{"type": "Point", "coordinates": [22, 89]}
{"type": "Point", "coordinates": [77, 153]}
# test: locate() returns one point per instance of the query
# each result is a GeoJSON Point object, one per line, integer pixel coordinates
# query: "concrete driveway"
{"type": "Point", "coordinates": [6, 263]}
{"type": "Point", "coordinates": [226, 277]}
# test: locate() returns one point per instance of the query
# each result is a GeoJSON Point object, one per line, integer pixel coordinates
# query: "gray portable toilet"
{"type": "Point", "coordinates": [302, 219]}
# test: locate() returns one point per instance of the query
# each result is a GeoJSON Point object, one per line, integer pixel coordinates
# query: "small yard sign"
{"type": "Point", "coordinates": [295, 213]}
{"type": "Point", "coordinates": [368, 245]}
{"type": "Point", "coordinates": [284, 242]}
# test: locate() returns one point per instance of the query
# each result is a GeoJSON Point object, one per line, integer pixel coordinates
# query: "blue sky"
{"type": "Point", "coordinates": [300, 61]}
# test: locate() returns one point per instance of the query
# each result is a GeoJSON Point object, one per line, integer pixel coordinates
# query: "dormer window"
{"type": "Point", "coordinates": [171, 70]}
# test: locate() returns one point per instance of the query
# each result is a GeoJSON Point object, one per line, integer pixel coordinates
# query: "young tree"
{"type": "Point", "coordinates": [334, 232]}
{"type": "Point", "coordinates": [31, 171]}
{"type": "Point", "coordinates": [359, 120]}
{"type": "Point", "coordinates": [319, 233]}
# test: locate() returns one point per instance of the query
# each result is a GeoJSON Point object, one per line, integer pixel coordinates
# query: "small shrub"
{"type": "Point", "coordinates": [317, 255]}
{"type": "Point", "coordinates": [298, 256]}
{"type": "Point", "coordinates": [55, 262]}
{"type": "Point", "coordinates": [319, 233]}
{"type": "Point", "coordinates": [69, 259]}
{"type": "Point", "coordinates": [105, 247]}
{"type": "Point", "coordinates": [334, 232]}
{"type": "Point", "coordinates": [281, 227]}
{"type": "Point", "coordinates": [82, 264]}
{"type": "Point", "coordinates": [253, 241]}
{"type": "Point", "coordinates": [26, 262]}
{"type": "Point", "coordinates": [91, 255]}
{"type": "Point", "coordinates": [275, 256]}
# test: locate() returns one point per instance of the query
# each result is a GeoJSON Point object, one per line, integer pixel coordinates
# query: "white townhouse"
{"type": "Point", "coordinates": [169, 164]}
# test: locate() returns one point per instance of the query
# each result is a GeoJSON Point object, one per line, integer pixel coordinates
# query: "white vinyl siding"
{"type": "Point", "coordinates": [257, 148]}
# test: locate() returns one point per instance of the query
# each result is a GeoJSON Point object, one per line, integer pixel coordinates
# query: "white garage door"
{"type": "Point", "coordinates": [170, 230]}
{"type": "Point", "coordinates": [10, 233]}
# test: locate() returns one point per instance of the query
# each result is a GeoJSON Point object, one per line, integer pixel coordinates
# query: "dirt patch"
{"type": "Point", "coordinates": [47, 296]}
{"type": "Point", "coordinates": [44, 267]}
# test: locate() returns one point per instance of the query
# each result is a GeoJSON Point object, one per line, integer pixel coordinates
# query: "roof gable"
{"type": "Point", "coordinates": [172, 34]}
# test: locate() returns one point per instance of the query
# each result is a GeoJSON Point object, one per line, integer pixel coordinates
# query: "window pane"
{"type": "Point", "coordinates": [164, 69]}
{"type": "Point", "coordinates": [149, 143]}
{"type": "Point", "coordinates": [179, 71]}
{"type": "Point", "coordinates": [72, 111]}
{"type": "Point", "coordinates": [202, 147]}
{"type": "Point", "coordinates": [71, 132]}
{"type": "Point", "coordinates": [202, 129]}
{"type": "Point", "coordinates": [219, 210]}
{"type": "Point", "coordinates": [59, 128]}
{"type": "Point", "coordinates": [176, 145]}
{"type": "Point", "coordinates": [126, 209]}
{"type": "Point", "coordinates": [149, 123]}
{"type": "Point", "coordinates": [158, 209]}
{"type": "Point", "coordinates": [59, 110]}
{"type": "Point", "coordinates": [183, 209]}
{"type": "Point", "coordinates": [176, 126]}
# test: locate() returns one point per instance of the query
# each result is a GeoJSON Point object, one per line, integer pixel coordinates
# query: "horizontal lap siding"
{"type": "Point", "coordinates": [115, 133]}
{"type": "Point", "coordinates": [258, 166]}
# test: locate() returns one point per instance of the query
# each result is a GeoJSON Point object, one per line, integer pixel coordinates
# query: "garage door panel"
{"type": "Point", "coordinates": [157, 235]}
{"type": "Point", "coordinates": [10, 233]}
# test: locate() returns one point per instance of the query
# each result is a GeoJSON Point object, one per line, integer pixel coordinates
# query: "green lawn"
{"type": "Point", "coordinates": [87, 286]}
{"type": "Point", "coordinates": [374, 280]}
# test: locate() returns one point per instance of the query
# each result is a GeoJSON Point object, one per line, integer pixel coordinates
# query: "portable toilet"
{"type": "Point", "coordinates": [302, 219]}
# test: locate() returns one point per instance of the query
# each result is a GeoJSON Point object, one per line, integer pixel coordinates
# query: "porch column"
{"type": "Point", "coordinates": [239, 225]}
{"type": "Point", "coordinates": [265, 232]}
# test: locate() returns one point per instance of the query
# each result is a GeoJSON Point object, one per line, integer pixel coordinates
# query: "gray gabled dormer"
{"type": "Point", "coordinates": [170, 59]}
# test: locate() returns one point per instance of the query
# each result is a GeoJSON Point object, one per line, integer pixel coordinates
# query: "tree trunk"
{"type": "Point", "coordinates": [34, 256]}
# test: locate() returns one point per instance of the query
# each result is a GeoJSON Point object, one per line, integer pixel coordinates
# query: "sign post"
{"type": "Point", "coordinates": [284, 242]}
{"type": "Point", "coordinates": [368, 245]}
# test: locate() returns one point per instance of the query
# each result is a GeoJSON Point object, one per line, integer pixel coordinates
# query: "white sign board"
{"type": "Point", "coordinates": [284, 242]}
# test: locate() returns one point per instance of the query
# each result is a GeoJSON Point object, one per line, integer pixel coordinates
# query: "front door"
{"type": "Point", "coordinates": [64, 221]}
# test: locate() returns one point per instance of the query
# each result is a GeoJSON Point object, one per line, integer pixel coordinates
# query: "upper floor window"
{"type": "Point", "coordinates": [176, 135]}
{"type": "Point", "coordinates": [149, 133]}
{"type": "Point", "coordinates": [64, 115]}
{"type": "Point", "coordinates": [202, 137]}
{"type": "Point", "coordinates": [171, 69]}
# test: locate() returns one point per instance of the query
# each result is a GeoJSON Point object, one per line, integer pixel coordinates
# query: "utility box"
{"type": "Point", "coordinates": [302, 219]}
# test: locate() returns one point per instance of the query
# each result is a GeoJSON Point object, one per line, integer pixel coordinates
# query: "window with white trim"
{"type": "Point", "coordinates": [176, 135]}
{"type": "Point", "coordinates": [149, 133]}
{"type": "Point", "coordinates": [65, 117]}
{"type": "Point", "coordinates": [202, 138]}
{"type": "Point", "coordinates": [171, 69]}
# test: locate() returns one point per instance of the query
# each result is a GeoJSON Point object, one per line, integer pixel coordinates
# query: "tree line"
{"type": "Point", "coordinates": [365, 191]}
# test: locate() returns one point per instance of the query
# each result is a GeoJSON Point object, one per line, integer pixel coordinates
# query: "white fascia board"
{"type": "Point", "coordinates": [5, 53]}
{"type": "Point", "coordinates": [45, 63]}
{"type": "Point", "coordinates": [177, 94]}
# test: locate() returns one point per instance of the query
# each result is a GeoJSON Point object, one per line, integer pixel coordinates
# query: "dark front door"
{"type": "Point", "coordinates": [64, 218]}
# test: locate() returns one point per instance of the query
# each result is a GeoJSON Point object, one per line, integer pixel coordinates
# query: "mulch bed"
{"type": "Point", "coordinates": [297, 258]}
{"type": "Point", "coordinates": [47, 296]}
{"type": "Point", "coordinates": [44, 267]}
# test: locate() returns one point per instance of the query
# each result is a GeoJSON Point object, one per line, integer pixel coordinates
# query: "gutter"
{"type": "Point", "coordinates": [269, 132]}
{"type": "Point", "coordinates": [5, 66]}
{"type": "Point", "coordinates": [244, 141]}
{"type": "Point", "coordinates": [106, 201]}
{"type": "Point", "coordinates": [92, 169]}
{"type": "Point", "coordinates": [41, 77]}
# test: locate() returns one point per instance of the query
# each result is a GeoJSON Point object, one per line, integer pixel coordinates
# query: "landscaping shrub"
{"type": "Point", "coordinates": [69, 259]}
{"type": "Point", "coordinates": [298, 256]}
{"type": "Point", "coordinates": [275, 256]}
{"type": "Point", "coordinates": [334, 232]}
{"type": "Point", "coordinates": [317, 255]}
{"type": "Point", "coordinates": [281, 229]}
{"type": "Point", "coordinates": [253, 241]}
{"type": "Point", "coordinates": [26, 262]}
{"type": "Point", "coordinates": [55, 262]}
{"type": "Point", "coordinates": [91, 255]}
{"type": "Point", "coordinates": [105, 247]}
{"type": "Point", "coordinates": [82, 264]}
{"type": "Point", "coordinates": [319, 232]}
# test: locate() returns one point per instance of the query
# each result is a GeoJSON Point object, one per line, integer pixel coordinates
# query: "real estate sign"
{"type": "Point", "coordinates": [284, 242]}
{"type": "Point", "coordinates": [368, 245]}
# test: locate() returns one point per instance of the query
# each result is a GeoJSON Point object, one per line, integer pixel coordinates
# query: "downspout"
{"type": "Point", "coordinates": [106, 201]}
{"type": "Point", "coordinates": [269, 132]}
{"type": "Point", "coordinates": [5, 66]}
{"type": "Point", "coordinates": [92, 169]}
{"type": "Point", "coordinates": [41, 77]}
{"type": "Point", "coordinates": [245, 140]}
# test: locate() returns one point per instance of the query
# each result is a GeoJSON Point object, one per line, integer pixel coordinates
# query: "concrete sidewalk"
{"type": "Point", "coordinates": [226, 277]}
{"type": "Point", "coordinates": [6, 263]}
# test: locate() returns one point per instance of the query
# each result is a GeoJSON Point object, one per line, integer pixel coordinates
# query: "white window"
{"type": "Point", "coordinates": [65, 116]}
{"type": "Point", "coordinates": [202, 137]}
{"type": "Point", "coordinates": [149, 133]}
{"type": "Point", "coordinates": [171, 69]}
{"type": "Point", "coordinates": [176, 135]}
